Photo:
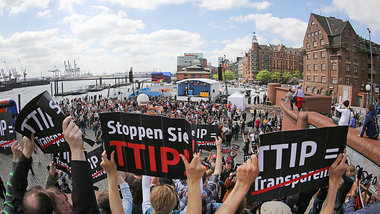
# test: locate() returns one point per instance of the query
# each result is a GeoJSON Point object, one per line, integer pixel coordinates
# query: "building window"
{"type": "Point", "coordinates": [347, 54]}
{"type": "Point", "coordinates": [308, 35]}
{"type": "Point", "coordinates": [308, 56]}
{"type": "Point", "coordinates": [319, 31]}
{"type": "Point", "coordinates": [356, 69]}
{"type": "Point", "coordinates": [309, 78]}
{"type": "Point", "coordinates": [315, 78]}
{"type": "Point", "coordinates": [347, 80]}
{"type": "Point", "coordinates": [354, 42]}
{"type": "Point", "coordinates": [323, 54]}
{"type": "Point", "coordinates": [323, 67]}
{"type": "Point", "coordinates": [312, 33]}
{"type": "Point", "coordinates": [315, 67]}
{"type": "Point", "coordinates": [315, 44]}
{"type": "Point", "coordinates": [334, 66]}
{"type": "Point", "coordinates": [308, 67]}
{"type": "Point", "coordinates": [324, 79]}
{"type": "Point", "coordinates": [334, 80]}
{"type": "Point", "coordinates": [322, 42]}
{"type": "Point", "coordinates": [200, 75]}
{"type": "Point", "coordinates": [185, 75]}
{"type": "Point", "coordinates": [348, 67]}
{"type": "Point", "coordinates": [312, 23]}
{"type": "Point", "coordinates": [307, 45]}
{"type": "Point", "coordinates": [193, 76]}
{"type": "Point", "coordinates": [316, 55]}
{"type": "Point", "coordinates": [355, 82]}
{"type": "Point", "coordinates": [355, 56]}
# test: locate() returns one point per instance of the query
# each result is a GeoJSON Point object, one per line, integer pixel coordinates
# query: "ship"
{"type": "Point", "coordinates": [8, 83]}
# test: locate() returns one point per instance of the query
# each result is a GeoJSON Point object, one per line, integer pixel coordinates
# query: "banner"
{"type": "Point", "coordinates": [292, 162]}
{"type": "Point", "coordinates": [94, 157]}
{"type": "Point", "coordinates": [7, 134]}
{"type": "Point", "coordinates": [43, 117]}
{"type": "Point", "coordinates": [205, 135]}
{"type": "Point", "coordinates": [146, 144]}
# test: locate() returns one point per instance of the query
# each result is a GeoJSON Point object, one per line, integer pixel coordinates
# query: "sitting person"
{"type": "Point", "coordinates": [370, 125]}
{"type": "Point", "coordinates": [298, 98]}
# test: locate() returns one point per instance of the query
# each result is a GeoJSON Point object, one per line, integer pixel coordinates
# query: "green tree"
{"type": "Point", "coordinates": [286, 76]}
{"type": "Point", "coordinates": [298, 74]}
{"type": "Point", "coordinates": [230, 75]}
{"type": "Point", "coordinates": [276, 76]}
{"type": "Point", "coordinates": [264, 76]}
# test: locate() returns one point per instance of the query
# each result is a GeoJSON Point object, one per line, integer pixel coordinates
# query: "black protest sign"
{"type": "Point", "coordinates": [205, 135]}
{"type": "Point", "coordinates": [62, 161]}
{"type": "Point", "coordinates": [292, 162]}
{"type": "Point", "coordinates": [146, 144]}
{"type": "Point", "coordinates": [43, 117]}
{"type": "Point", "coordinates": [206, 164]}
{"type": "Point", "coordinates": [7, 134]}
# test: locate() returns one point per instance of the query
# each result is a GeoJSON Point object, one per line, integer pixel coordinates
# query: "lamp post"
{"type": "Point", "coordinates": [368, 88]}
{"type": "Point", "coordinates": [370, 50]}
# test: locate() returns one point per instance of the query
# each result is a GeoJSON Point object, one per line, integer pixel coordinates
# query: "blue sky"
{"type": "Point", "coordinates": [110, 36]}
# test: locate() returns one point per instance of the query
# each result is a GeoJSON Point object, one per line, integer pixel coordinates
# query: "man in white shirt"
{"type": "Point", "coordinates": [346, 113]}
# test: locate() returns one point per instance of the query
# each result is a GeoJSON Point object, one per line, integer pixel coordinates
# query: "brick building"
{"type": "Point", "coordinates": [338, 61]}
{"type": "Point", "coordinates": [272, 58]}
{"type": "Point", "coordinates": [193, 72]}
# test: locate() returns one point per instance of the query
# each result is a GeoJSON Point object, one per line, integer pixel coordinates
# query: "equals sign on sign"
{"type": "Point", "coordinates": [10, 129]}
{"type": "Point", "coordinates": [332, 153]}
{"type": "Point", "coordinates": [213, 134]}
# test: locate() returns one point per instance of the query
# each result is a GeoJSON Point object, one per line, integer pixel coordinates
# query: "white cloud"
{"type": "Point", "coordinates": [364, 11]}
{"type": "Point", "coordinates": [16, 7]}
{"type": "Point", "coordinates": [207, 4]}
{"type": "Point", "coordinates": [291, 29]}
{"type": "Point", "coordinates": [102, 25]}
{"type": "Point", "coordinates": [68, 5]}
{"type": "Point", "coordinates": [44, 14]}
{"type": "Point", "coordinates": [236, 47]}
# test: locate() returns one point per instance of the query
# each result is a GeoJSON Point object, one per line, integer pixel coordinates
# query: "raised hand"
{"type": "Point", "coordinates": [109, 165]}
{"type": "Point", "coordinates": [29, 146]}
{"type": "Point", "coordinates": [338, 168]}
{"type": "Point", "coordinates": [17, 151]}
{"type": "Point", "coordinates": [247, 173]}
{"type": "Point", "coordinates": [73, 136]}
{"type": "Point", "coordinates": [194, 169]}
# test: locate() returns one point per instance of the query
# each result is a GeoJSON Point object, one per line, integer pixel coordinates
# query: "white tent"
{"type": "Point", "coordinates": [237, 99]}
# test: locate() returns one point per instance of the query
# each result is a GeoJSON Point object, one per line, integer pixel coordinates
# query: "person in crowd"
{"type": "Point", "coordinates": [370, 125]}
{"type": "Point", "coordinates": [353, 121]}
{"type": "Point", "coordinates": [298, 98]}
{"type": "Point", "coordinates": [345, 113]}
{"type": "Point", "coordinates": [369, 208]}
{"type": "Point", "coordinates": [289, 96]}
{"type": "Point", "coordinates": [60, 201]}
{"type": "Point", "coordinates": [37, 200]}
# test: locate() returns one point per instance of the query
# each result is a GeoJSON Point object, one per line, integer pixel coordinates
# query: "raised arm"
{"type": "Point", "coordinates": [246, 175]}
{"type": "Point", "coordinates": [336, 171]}
{"type": "Point", "coordinates": [194, 172]}
{"type": "Point", "coordinates": [113, 192]}
{"type": "Point", "coordinates": [219, 155]}
{"type": "Point", "coordinates": [80, 171]}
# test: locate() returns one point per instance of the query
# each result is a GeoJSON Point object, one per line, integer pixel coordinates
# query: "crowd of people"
{"type": "Point", "coordinates": [221, 188]}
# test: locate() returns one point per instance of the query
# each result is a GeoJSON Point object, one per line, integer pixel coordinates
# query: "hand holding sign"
{"type": "Point", "coordinates": [109, 165]}
{"type": "Point", "coordinates": [73, 136]}
{"type": "Point", "coordinates": [29, 146]}
{"type": "Point", "coordinates": [17, 151]}
{"type": "Point", "coordinates": [337, 169]}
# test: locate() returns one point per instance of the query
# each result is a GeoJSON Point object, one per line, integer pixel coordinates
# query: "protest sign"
{"type": "Point", "coordinates": [292, 162]}
{"type": "Point", "coordinates": [147, 144]}
{"type": "Point", "coordinates": [206, 164]}
{"type": "Point", "coordinates": [205, 135]}
{"type": "Point", "coordinates": [62, 161]}
{"type": "Point", "coordinates": [43, 117]}
{"type": "Point", "coordinates": [7, 134]}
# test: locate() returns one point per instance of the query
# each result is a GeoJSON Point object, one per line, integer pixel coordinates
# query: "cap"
{"type": "Point", "coordinates": [213, 157]}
